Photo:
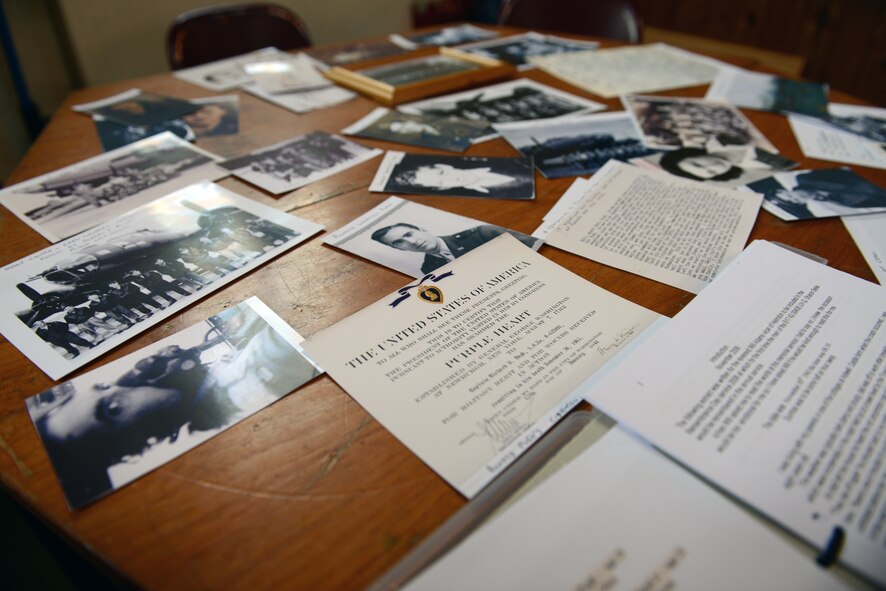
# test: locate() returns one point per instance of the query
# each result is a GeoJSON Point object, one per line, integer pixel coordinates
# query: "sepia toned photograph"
{"type": "Point", "coordinates": [113, 134]}
{"type": "Point", "coordinates": [727, 167]}
{"type": "Point", "coordinates": [456, 176]}
{"type": "Point", "coordinates": [577, 145]}
{"type": "Point", "coordinates": [73, 301]}
{"type": "Point", "coordinates": [215, 115]}
{"type": "Point", "coordinates": [517, 100]}
{"type": "Point", "coordinates": [110, 426]}
{"type": "Point", "coordinates": [415, 239]}
{"type": "Point", "coordinates": [135, 107]}
{"type": "Point", "coordinates": [418, 70]}
{"type": "Point", "coordinates": [444, 37]}
{"type": "Point", "coordinates": [343, 55]}
{"type": "Point", "coordinates": [299, 161]}
{"type": "Point", "coordinates": [442, 133]}
{"type": "Point", "coordinates": [822, 193]}
{"type": "Point", "coordinates": [671, 122]}
{"type": "Point", "coordinates": [72, 199]}
{"type": "Point", "coordinates": [765, 92]}
{"type": "Point", "coordinates": [517, 49]}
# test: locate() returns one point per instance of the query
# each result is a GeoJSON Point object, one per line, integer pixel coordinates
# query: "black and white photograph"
{"type": "Point", "coordinates": [112, 425]}
{"type": "Point", "coordinates": [70, 303]}
{"type": "Point", "coordinates": [577, 145]}
{"type": "Point", "coordinates": [69, 200]}
{"type": "Point", "coordinates": [350, 53]}
{"type": "Point", "coordinates": [228, 73]}
{"type": "Point", "coordinates": [668, 123]}
{"type": "Point", "coordinates": [418, 69]}
{"type": "Point", "coordinates": [863, 121]}
{"type": "Point", "coordinates": [766, 92]}
{"type": "Point", "coordinates": [517, 100]}
{"type": "Point", "coordinates": [726, 167]}
{"type": "Point", "coordinates": [442, 133]}
{"type": "Point", "coordinates": [113, 134]}
{"type": "Point", "coordinates": [415, 239]}
{"type": "Point", "coordinates": [822, 193]}
{"type": "Point", "coordinates": [299, 161]}
{"type": "Point", "coordinates": [517, 49]}
{"type": "Point", "coordinates": [135, 107]}
{"type": "Point", "coordinates": [447, 36]}
{"type": "Point", "coordinates": [215, 115]}
{"type": "Point", "coordinates": [455, 176]}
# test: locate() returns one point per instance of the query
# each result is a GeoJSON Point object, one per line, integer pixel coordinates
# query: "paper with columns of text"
{"type": "Point", "coordinates": [772, 384]}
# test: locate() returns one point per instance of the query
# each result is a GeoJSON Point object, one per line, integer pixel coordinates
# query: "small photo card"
{"type": "Point", "coordinates": [442, 133]}
{"type": "Point", "coordinates": [727, 167]}
{"type": "Point", "coordinates": [668, 123]}
{"type": "Point", "coordinates": [766, 92]}
{"type": "Point", "coordinates": [72, 199]}
{"type": "Point", "coordinates": [822, 193]}
{"type": "Point", "coordinates": [112, 425]}
{"type": "Point", "coordinates": [517, 49]}
{"type": "Point", "coordinates": [461, 176]}
{"type": "Point", "coordinates": [446, 36]}
{"type": "Point", "coordinates": [517, 100]}
{"type": "Point", "coordinates": [136, 107]}
{"type": "Point", "coordinates": [68, 304]}
{"type": "Point", "coordinates": [299, 161]}
{"type": "Point", "coordinates": [415, 239]}
{"type": "Point", "coordinates": [576, 145]}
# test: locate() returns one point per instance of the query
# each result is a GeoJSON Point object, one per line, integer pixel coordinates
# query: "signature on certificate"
{"type": "Point", "coordinates": [502, 431]}
{"type": "Point", "coordinates": [620, 338]}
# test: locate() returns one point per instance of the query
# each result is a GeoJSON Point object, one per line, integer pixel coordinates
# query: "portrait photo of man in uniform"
{"type": "Point", "coordinates": [416, 239]}
{"type": "Point", "coordinates": [457, 176]}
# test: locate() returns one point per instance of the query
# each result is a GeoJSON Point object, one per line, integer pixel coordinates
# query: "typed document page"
{"type": "Point", "coordinates": [678, 232]}
{"type": "Point", "coordinates": [472, 363]}
{"type": "Point", "coordinates": [772, 383]}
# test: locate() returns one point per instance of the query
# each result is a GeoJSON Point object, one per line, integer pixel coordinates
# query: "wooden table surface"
{"type": "Point", "coordinates": [310, 493]}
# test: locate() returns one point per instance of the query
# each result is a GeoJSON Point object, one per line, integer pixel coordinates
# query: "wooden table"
{"type": "Point", "coordinates": [311, 493]}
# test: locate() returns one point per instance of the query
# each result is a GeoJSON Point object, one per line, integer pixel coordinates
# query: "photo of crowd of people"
{"type": "Point", "coordinates": [299, 161]}
{"type": "Point", "coordinates": [517, 100]}
{"type": "Point", "coordinates": [72, 199]}
{"type": "Point", "coordinates": [670, 122]}
{"type": "Point", "coordinates": [517, 49]}
{"type": "Point", "coordinates": [94, 291]}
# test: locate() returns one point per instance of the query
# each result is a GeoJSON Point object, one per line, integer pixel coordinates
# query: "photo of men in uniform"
{"type": "Point", "coordinates": [416, 239]}
{"type": "Point", "coordinates": [821, 193]}
{"type": "Point", "coordinates": [463, 176]}
{"type": "Point", "coordinates": [299, 161]}
{"type": "Point", "coordinates": [516, 49]}
{"type": "Point", "coordinates": [443, 133]}
{"type": "Point", "coordinates": [517, 100]}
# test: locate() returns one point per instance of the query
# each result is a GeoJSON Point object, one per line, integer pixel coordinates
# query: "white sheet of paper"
{"type": "Point", "coordinates": [472, 379]}
{"type": "Point", "coordinates": [822, 141]}
{"type": "Point", "coordinates": [772, 384]}
{"type": "Point", "coordinates": [869, 233]}
{"type": "Point", "coordinates": [228, 73]}
{"type": "Point", "coordinates": [622, 516]}
{"type": "Point", "coordinates": [679, 232]}
{"type": "Point", "coordinates": [625, 70]}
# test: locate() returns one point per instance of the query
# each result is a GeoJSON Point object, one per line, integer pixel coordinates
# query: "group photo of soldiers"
{"type": "Point", "coordinates": [108, 288]}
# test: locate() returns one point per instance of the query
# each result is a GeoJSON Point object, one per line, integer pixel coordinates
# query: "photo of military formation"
{"type": "Point", "coordinates": [107, 288]}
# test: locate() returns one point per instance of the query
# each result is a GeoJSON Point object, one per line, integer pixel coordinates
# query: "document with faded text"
{"type": "Point", "coordinates": [472, 363]}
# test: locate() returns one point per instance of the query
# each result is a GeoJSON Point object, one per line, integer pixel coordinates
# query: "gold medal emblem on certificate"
{"type": "Point", "coordinates": [431, 293]}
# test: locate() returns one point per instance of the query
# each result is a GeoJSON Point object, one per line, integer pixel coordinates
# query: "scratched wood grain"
{"type": "Point", "coordinates": [311, 493]}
